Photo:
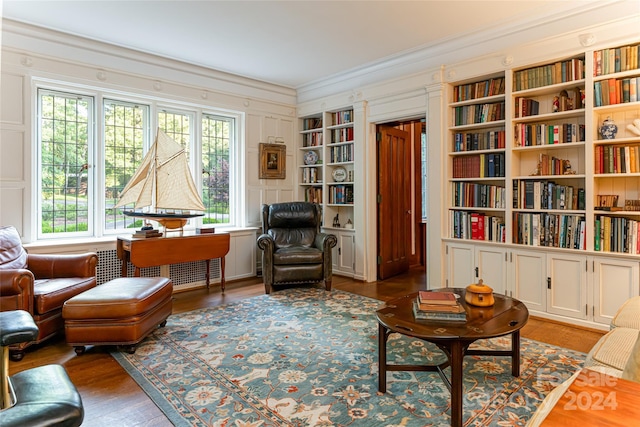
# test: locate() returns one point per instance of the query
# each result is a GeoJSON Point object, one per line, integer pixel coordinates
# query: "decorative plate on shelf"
{"type": "Point", "coordinates": [339, 174]}
{"type": "Point", "coordinates": [310, 158]}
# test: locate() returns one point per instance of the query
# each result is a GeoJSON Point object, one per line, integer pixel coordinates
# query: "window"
{"type": "Point", "coordinates": [125, 132]}
{"type": "Point", "coordinates": [64, 153]}
{"type": "Point", "coordinates": [217, 134]}
{"type": "Point", "coordinates": [76, 163]}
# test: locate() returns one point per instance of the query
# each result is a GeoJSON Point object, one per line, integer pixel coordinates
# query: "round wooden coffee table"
{"type": "Point", "coordinates": [506, 316]}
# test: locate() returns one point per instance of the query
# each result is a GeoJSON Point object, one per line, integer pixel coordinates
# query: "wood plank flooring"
{"type": "Point", "coordinates": [111, 398]}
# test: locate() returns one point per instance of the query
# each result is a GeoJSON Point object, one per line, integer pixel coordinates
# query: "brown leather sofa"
{"type": "Point", "coordinates": [295, 251]}
{"type": "Point", "coordinates": [40, 284]}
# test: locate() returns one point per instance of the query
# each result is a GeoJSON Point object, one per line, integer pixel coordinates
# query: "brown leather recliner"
{"type": "Point", "coordinates": [40, 284]}
{"type": "Point", "coordinates": [295, 251]}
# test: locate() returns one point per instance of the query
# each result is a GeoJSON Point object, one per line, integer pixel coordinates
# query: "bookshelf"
{"type": "Point", "coordinates": [548, 161]}
{"type": "Point", "coordinates": [326, 164]}
{"type": "Point", "coordinates": [312, 153]}
{"type": "Point", "coordinates": [565, 198]}
{"type": "Point", "coordinates": [616, 175]}
{"type": "Point", "coordinates": [476, 157]}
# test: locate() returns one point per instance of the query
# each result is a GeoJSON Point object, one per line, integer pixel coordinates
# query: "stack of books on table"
{"type": "Point", "coordinates": [153, 232]}
{"type": "Point", "coordinates": [438, 306]}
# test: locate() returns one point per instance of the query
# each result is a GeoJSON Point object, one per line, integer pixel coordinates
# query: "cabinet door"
{"type": "Point", "coordinates": [614, 282]}
{"type": "Point", "coordinates": [567, 295]}
{"type": "Point", "coordinates": [347, 252]}
{"type": "Point", "coordinates": [460, 265]}
{"type": "Point", "coordinates": [343, 254]}
{"type": "Point", "coordinates": [492, 268]}
{"type": "Point", "coordinates": [528, 281]}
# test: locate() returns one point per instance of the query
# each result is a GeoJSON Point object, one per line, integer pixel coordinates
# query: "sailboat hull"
{"type": "Point", "coordinates": [168, 221]}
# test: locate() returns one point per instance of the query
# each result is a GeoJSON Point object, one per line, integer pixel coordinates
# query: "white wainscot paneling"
{"type": "Point", "coordinates": [12, 155]}
{"type": "Point", "coordinates": [240, 262]}
{"type": "Point", "coordinates": [11, 102]}
{"type": "Point", "coordinates": [11, 203]}
{"type": "Point", "coordinates": [254, 204]}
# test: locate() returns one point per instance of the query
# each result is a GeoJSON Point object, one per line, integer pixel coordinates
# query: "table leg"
{"type": "Point", "coordinates": [222, 273]}
{"type": "Point", "coordinates": [206, 274]}
{"type": "Point", "coordinates": [457, 356]}
{"type": "Point", "coordinates": [382, 358]}
{"type": "Point", "coordinates": [515, 353]}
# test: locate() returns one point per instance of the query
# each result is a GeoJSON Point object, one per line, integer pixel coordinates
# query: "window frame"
{"type": "Point", "coordinates": [96, 150]}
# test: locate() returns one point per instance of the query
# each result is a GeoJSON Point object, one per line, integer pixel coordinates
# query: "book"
{"type": "Point", "coordinates": [438, 316]}
{"type": "Point", "coordinates": [440, 308]}
{"type": "Point", "coordinates": [437, 297]}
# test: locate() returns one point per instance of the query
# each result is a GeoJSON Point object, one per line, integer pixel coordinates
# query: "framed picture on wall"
{"type": "Point", "coordinates": [273, 161]}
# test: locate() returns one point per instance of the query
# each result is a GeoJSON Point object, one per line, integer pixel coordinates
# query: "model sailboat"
{"type": "Point", "coordinates": [162, 188]}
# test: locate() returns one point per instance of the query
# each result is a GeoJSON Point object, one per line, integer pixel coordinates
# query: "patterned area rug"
{"type": "Point", "coordinates": [307, 357]}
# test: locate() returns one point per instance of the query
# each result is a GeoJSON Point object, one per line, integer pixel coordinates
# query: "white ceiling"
{"type": "Point", "coordinates": [290, 43]}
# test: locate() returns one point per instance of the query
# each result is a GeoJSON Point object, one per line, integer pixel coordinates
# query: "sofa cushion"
{"type": "Point", "coordinates": [50, 294]}
{"type": "Point", "coordinates": [12, 254]}
{"type": "Point", "coordinates": [613, 349]}
{"type": "Point", "coordinates": [628, 316]}
{"type": "Point", "coordinates": [632, 368]}
{"type": "Point", "coordinates": [297, 255]}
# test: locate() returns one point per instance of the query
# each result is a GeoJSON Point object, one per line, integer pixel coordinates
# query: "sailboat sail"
{"type": "Point", "coordinates": [163, 181]}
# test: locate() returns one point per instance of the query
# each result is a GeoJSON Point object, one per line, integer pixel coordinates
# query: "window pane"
{"type": "Point", "coordinates": [125, 127]}
{"type": "Point", "coordinates": [216, 137]}
{"type": "Point", "coordinates": [177, 126]}
{"type": "Point", "coordinates": [64, 162]}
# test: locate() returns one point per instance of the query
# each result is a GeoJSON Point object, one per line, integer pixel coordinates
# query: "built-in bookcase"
{"type": "Point", "coordinates": [528, 165]}
{"type": "Point", "coordinates": [327, 154]}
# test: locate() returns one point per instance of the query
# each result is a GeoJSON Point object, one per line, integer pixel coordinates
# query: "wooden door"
{"type": "Point", "coordinates": [394, 201]}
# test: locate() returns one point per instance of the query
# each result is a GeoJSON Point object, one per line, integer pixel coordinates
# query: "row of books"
{"type": "Point", "coordinates": [481, 89]}
{"type": "Point", "coordinates": [313, 195]}
{"type": "Point", "coordinates": [479, 166]}
{"type": "Point", "coordinates": [473, 195]}
{"type": "Point", "coordinates": [472, 141]}
{"type": "Point", "coordinates": [549, 230]}
{"type": "Point", "coordinates": [341, 153]}
{"type": "Point", "coordinates": [313, 139]}
{"type": "Point", "coordinates": [617, 159]}
{"type": "Point", "coordinates": [342, 117]}
{"type": "Point", "coordinates": [550, 74]}
{"type": "Point", "coordinates": [615, 60]}
{"type": "Point", "coordinates": [311, 176]}
{"type": "Point", "coordinates": [551, 165]}
{"type": "Point", "coordinates": [479, 113]}
{"type": "Point", "coordinates": [526, 107]}
{"type": "Point", "coordinates": [616, 91]}
{"type": "Point", "coordinates": [616, 234]}
{"type": "Point", "coordinates": [439, 306]}
{"type": "Point", "coordinates": [476, 226]}
{"type": "Point", "coordinates": [531, 134]}
{"type": "Point", "coordinates": [341, 194]}
{"type": "Point", "coordinates": [312, 123]}
{"type": "Point", "coordinates": [538, 195]}
{"type": "Point", "coordinates": [341, 135]}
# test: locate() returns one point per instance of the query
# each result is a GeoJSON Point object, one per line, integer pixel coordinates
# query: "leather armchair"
{"type": "Point", "coordinates": [36, 397]}
{"type": "Point", "coordinates": [40, 284]}
{"type": "Point", "coordinates": [295, 251]}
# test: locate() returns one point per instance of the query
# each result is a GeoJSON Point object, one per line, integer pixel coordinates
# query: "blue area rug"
{"type": "Point", "coordinates": [308, 357]}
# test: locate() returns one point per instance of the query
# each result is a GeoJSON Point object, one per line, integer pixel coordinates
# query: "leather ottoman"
{"type": "Point", "coordinates": [120, 312]}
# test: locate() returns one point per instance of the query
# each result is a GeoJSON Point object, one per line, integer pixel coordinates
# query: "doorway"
{"type": "Point", "coordinates": [401, 230]}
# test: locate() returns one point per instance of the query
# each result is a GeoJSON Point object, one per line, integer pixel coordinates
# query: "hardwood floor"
{"type": "Point", "coordinates": [111, 398]}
